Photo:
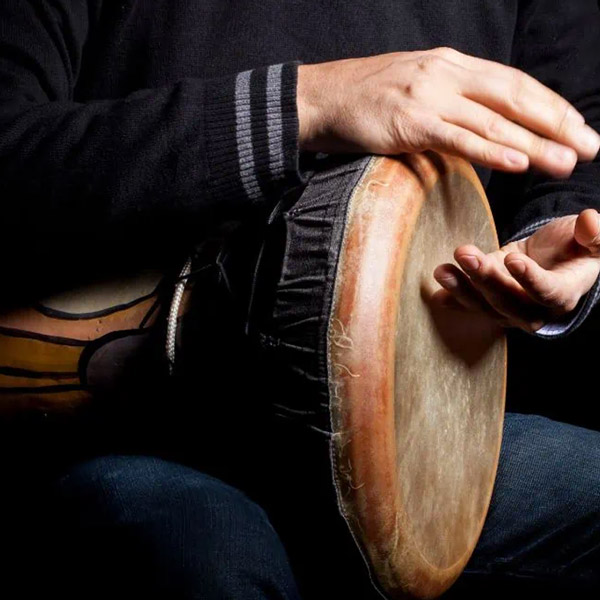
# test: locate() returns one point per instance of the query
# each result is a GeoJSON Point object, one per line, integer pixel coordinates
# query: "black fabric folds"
{"type": "Point", "coordinates": [284, 284]}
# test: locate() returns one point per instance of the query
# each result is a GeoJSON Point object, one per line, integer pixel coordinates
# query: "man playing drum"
{"type": "Point", "coordinates": [128, 128]}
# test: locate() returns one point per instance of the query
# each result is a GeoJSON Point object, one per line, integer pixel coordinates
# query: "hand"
{"type": "Point", "coordinates": [530, 282]}
{"type": "Point", "coordinates": [442, 100]}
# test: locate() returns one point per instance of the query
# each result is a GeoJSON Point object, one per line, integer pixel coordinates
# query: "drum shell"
{"type": "Point", "coordinates": [291, 319]}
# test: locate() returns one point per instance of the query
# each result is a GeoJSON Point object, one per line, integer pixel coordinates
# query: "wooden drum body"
{"type": "Point", "coordinates": [59, 353]}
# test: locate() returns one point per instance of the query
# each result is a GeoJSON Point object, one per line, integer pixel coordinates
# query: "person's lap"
{"type": "Point", "coordinates": [127, 526]}
{"type": "Point", "coordinates": [145, 525]}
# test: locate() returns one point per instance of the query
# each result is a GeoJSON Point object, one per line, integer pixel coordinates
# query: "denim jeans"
{"type": "Point", "coordinates": [132, 526]}
{"type": "Point", "coordinates": [542, 531]}
{"type": "Point", "coordinates": [139, 527]}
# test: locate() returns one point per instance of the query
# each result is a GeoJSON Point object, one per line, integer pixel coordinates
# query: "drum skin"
{"type": "Point", "coordinates": [416, 390]}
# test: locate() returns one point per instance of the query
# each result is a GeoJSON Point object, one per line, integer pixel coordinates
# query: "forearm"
{"type": "Point", "coordinates": [194, 149]}
{"type": "Point", "coordinates": [89, 185]}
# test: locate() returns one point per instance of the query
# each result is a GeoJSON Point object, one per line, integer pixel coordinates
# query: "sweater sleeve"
{"type": "Point", "coordinates": [557, 43]}
{"type": "Point", "coordinates": [195, 150]}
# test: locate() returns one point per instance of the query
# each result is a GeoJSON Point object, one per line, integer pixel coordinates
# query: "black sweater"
{"type": "Point", "coordinates": [150, 120]}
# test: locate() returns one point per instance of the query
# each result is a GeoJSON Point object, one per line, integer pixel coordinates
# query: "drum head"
{"type": "Point", "coordinates": [417, 390]}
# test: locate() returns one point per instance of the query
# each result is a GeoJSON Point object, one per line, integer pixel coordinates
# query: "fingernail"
{"type": "Point", "coordinates": [516, 267]}
{"type": "Point", "coordinates": [448, 282]}
{"type": "Point", "coordinates": [469, 263]}
{"type": "Point", "coordinates": [590, 140]}
{"type": "Point", "coordinates": [516, 158]}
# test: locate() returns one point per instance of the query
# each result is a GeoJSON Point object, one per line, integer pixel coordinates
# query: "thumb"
{"type": "Point", "coordinates": [587, 230]}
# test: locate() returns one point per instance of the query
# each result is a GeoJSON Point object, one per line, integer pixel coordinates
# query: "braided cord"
{"type": "Point", "coordinates": [174, 313]}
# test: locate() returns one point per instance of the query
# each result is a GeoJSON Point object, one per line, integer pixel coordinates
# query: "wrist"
{"type": "Point", "coordinates": [310, 112]}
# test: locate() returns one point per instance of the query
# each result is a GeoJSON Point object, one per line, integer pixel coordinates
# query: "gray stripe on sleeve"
{"type": "Point", "coordinates": [275, 121]}
{"type": "Point", "coordinates": [243, 129]}
{"type": "Point", "coordinates": [529, 230]}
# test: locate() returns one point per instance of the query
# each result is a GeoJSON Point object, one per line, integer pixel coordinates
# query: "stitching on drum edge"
{"type": "Point", "coordinates": [333, 453]}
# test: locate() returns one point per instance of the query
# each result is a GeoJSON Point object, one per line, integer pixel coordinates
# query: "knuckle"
{"type": "Point", "coordinates": [446, 52]}
{"type": "Point", "coordinates": [418, 86]}
{"type": "Point", "coordinates": [565, 114]}
{"type": "Point", "coordinates": [491, 154]}
{"type": "Point", "coordinates": [460, 141]}
{"type": "Point", "coordinates": [482, 276]}
{"type": "Point", "coordinates": [595, 242]}
{"type": "Point", "coordinates": [426, 63]}
{"type": "Point", "coordinates": [408, 131]}
{"type": "Point", "coordinates": [516, 89]}
{"type": "Point", "coordinates": [435, 137]}
{"type": "Point", "coordinates": [411, 89]}
{"type": "Point", "coordinates": [494, 128]}
{"type": "Point", "coordinates": [538, 146]}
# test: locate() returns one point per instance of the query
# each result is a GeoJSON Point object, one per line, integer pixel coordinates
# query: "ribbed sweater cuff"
{"type": "Point", "coordinates": [252, 133]}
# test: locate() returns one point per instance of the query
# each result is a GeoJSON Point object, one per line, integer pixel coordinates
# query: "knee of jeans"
{"type": "Point", "coordinates": [178, 532]}
{"type": "Point", "coordinates": [152, 493]}
{"type": "Point", "coordinates": [556, 456]}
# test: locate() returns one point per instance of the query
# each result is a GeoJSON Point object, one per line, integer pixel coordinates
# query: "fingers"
{"type": "Point", "coordinates": [522, 99]}
{"type": "Point", "coordinates": [457, 283]}
{"type": "Point", "coordinates": [545, 287]}
{"type": "Point", "coordinates": [444, 298]}
{"type": "Point", "coordinates": [510, 74]}
{"type": "Point", "coordinates": [528, 147]}
{"type": "Point", "coordinates": [587, 230]}
{"type": "Point", "coordinates": [500, 290]}
{"type": "Point", "coordinates": [441, 100]}
{"type": "Point", "coordinates": [513, 284]}
{"type": "Point", "coordinates": [461, 294]}
{"type": "Point", "coordinates": [459, 141]}
{"type": "Point", "coordinates": [506, 119]}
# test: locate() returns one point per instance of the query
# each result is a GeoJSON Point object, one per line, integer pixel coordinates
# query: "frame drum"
{"type": "Point", "coordinates": [342, 307]}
